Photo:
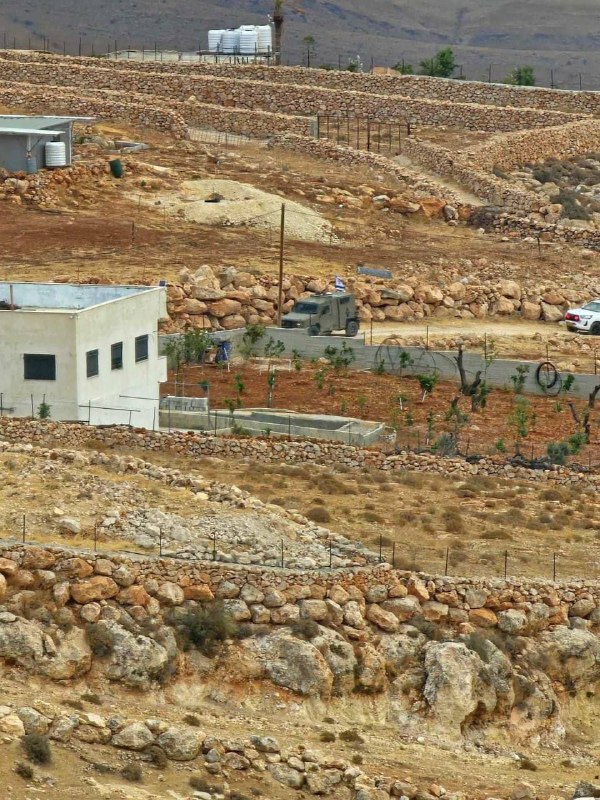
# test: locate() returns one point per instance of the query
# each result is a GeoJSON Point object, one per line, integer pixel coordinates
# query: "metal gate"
{"type": "Point", "coordinates": [363, 133]}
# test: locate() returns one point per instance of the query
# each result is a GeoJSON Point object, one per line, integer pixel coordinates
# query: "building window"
{"type": "Point", "coordinates": [141, 348]}
{"type": "Point", "coordinates": [39, 367]}
{"type": "Point", "coordinates": [91, 362]}
{"type": "Point", "coordinates": [116, 356]}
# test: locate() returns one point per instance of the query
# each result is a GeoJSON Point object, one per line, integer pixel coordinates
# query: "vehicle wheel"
{"type": "Point", "coordinates": [595, 329]}
{"type": "Point", "coordinates": [314, 330]}
{"type": "Point", "coordinates": [352, 327]}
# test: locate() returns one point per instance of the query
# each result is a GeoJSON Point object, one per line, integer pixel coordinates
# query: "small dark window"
{"type": "Point", "coordinates": [326, 310]}
{"type": "Point", "coordinates": [39, 368]}
{"type": "Point", "coordinates": [141, 348]}
{"type": "Point", "coordinates": [116, 356]}
{"type": "Point", "coordinates": [91, 358]}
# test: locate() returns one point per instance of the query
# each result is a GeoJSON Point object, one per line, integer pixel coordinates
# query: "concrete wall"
{"type": "Point", "coordinates": [39, 333]}
{"type": "Point", "coordinates": [69, 335]}
{"type": "Point", "coordinates": [135, 387]}
{"type": "Point", "coordinates": [423, 361]}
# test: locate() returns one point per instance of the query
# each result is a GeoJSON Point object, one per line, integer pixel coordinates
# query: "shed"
{"type": "Point", "coordinates": [23, 140]}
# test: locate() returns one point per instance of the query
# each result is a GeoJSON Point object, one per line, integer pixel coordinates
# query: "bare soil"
{"type": "Point", "coordinates": [394, 400]}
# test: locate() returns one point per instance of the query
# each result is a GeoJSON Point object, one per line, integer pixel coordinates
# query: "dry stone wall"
{"type": "Point", "coordinates": [276, 98]}
{"type": "Point", "coordinates": [36, 432]}
{"type": "Point", "coordinates": [226, 299]}
{"type": "Point", "coordinates": [417, 86]}
{"type": "Point", "coordinates": [65, 100]}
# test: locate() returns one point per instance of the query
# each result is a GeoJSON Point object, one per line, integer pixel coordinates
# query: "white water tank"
{"type": "Point", "coordinates": [230, 41]}
{"type": "Point", "coordinates": [248, 40]}
{"type": "Point", "coordinates": [55, 154]}
{"type": "Point", "coordinates": [265, 38]}
{"type": "Point", "coordinates": [214, 40]}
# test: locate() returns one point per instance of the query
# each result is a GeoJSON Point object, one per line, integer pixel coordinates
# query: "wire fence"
{"type": "Point", "coordinates": [473, 560]}
{"type": "Point", "coordinates": [93, 43]}
{"type": "Point", "coordinates": [364, 133]}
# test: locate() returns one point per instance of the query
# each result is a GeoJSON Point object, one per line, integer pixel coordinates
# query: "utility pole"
{"type": "Point", "coordinates": [280, 294]}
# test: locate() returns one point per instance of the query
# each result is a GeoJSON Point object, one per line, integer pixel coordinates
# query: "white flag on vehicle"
{"type": "Point", "coordinates": [340, 286]}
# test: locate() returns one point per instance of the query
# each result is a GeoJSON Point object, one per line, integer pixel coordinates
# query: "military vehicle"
{"type": "Point", "coordinates": [324, 314]}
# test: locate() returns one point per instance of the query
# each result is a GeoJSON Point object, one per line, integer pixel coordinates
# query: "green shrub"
{"type": "Point", "coordinates": [101, 639]}
{"type": "Point", "coordinates": [37, 748]}
{"type": "Point", "coordinates": [157, 756]}
{"type": "Point", "coordinates": [327, 736]}
{"type": "Point", "coordinates": [132, 772]}
{"type": "Point", "coordinates": [318, 514]}
{"type": "Point", "coordinates": [24, 770]}
{"type": "Point", "coordinates": [206, 627]}
{"type": "Point", "coordinates": [305, 628]}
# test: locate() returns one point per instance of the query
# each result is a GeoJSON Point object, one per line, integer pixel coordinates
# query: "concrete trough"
{"type": "Point", "coordinates": [274, 422]}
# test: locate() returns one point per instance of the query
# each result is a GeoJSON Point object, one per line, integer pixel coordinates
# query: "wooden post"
{"type": "Point", "coordinates": [280, 289]}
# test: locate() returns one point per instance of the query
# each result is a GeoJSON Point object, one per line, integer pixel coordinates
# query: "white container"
{"type": "Point", "coordinates": [55, 154]}
{"type": "Point", "coordinates": [230, 42]}
{"type": "Point", "coordinates": [248, 41]}
{"type": "Point", "coordinates": [265, 38]}
{"type": "Point", "coordinates": [214, 40]}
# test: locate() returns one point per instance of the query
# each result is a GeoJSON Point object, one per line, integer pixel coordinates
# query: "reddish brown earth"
{"type": "Point", "coordinates": [377, 398]}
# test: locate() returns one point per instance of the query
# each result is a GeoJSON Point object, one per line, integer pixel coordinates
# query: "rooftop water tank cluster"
{"type": "Point", "coordinates": [247, 40]}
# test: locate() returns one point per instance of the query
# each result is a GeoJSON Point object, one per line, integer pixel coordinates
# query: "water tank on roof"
{"type": "Point", "coordinates": [230, 42]}
{"type": "Point", "coordinates": [214, 40]}
{"type": "Point", "coordinates": [55, 154]}
{"type": "Point", "coordinates": [248, 40]}
{"type": "Point", "coordinates": [265, 38]}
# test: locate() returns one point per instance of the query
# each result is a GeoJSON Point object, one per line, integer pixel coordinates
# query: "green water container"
{"type": "Point", "coordinates": [116, 167]}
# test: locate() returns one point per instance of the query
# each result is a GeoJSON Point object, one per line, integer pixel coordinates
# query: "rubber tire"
{"type": "Point", "coordinates": [352, 327]}
{"type": "Point", "coordinates": [314, 330]}
{"type": "Point", "coordinates": [595, 329]}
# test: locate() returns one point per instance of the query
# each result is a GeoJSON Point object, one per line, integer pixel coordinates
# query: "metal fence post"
{"type": "Point", "coordinates": [24, 525]}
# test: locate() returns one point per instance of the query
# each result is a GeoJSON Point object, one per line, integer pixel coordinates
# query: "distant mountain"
{"type": "Point", "coordinates": [558, 35]}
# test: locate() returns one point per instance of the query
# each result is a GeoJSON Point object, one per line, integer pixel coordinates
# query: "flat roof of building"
{"type": "Point", "coordinates": [38, 120]}
{"type": "Point", "coordinates": [27, 132]}
{"type": "Point", "coordinates": [64, 296]}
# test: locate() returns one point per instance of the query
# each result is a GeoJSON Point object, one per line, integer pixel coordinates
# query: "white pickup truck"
{"type": "Point", "coordinates": [585, 319]}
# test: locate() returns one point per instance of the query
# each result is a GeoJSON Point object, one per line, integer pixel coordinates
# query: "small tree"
{"type": "Point", "coordinates": [271, 381]}
{"type": "Point", "coordinates": [319, 378]}
{"type": "Point", "coordinates": [404, 69]}
{"type": "Point", "coordinates": [583, 422]}
{"type": "Point", "coordinates": [240, 386]}
{"type": "Point", "coordinates": [521, 76]}
{"type": "Point", "coordinates": [442, 65]}
{"type": "Point", "coordinates": [252, 335]}
{"type": "Point", "coordinates": [520, 419]}
{"type": "Point", "coordinates": [44, 409]}
{"type": "Point", "coordinates": [427, 383]}
{"type": "Point", "coordinates": [519, 378]}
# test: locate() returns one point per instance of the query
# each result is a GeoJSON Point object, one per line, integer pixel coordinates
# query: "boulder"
{"type": "Point", "coordinates": [170, 594]}
{"type": "Point", "coordinates": [340, 658]}
{"type": "Point", "coordinates": [385, 620]}
{"type": "Point", "coordinates": [286, 775]}
{"type": "Point", "coordinates": [134, 660]}
{"type": "Point", "coordinates": [100, 587]}
{"type": "Point", "coordinates": [193, 306]}
{"type": "Point", "coordinates": [509, 288]}
{"type": "Point", "coordinates": [224, 308]}
{"type": "Point", "coordinates": [530, 310]}
{"type": "Point", "coordinates": [551, 313]}
{"type": "Point", "coordinates": [454, 688]}
{"type": "Point", "coordinates": [181, 744]}
{"type": "Point", "coordinates": [427, 293]}
{"type": "Point", "coordinates": [232, 322]}
{"type": "Point", "coordinates": [294, 664]}
{"type": "Point", "coordinates": [133, 737]}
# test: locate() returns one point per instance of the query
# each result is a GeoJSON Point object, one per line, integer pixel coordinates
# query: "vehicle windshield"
{"type": "Point", "coordinates": [593, 306]}
{"type": "Point", "coordinates": [305, 308]}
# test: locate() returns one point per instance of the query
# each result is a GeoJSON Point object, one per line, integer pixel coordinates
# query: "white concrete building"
{"type": "Point", "coordinates": [89, 352]}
